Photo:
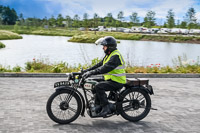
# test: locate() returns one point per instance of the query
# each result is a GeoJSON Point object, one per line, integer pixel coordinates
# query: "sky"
{"type": "Point", "coordinates": [42, 8]}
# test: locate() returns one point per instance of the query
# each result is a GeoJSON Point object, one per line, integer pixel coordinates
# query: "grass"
{"type": "Point", "coordinates": [7, 35]}
{"type": "Point", "coordinates": [48, 32]}
{"type": "Point", "coordinates": [2, 45]}
{"type": "Point", "coordinates": [90, 37]}
{"type": "Point", "coordinates": [181, 65]}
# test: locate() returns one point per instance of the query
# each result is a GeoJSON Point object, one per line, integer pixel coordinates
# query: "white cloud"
{"type": "Point", "coordinates": [179, 7]}
{"type": "Point", "coordinates": [102, 7]}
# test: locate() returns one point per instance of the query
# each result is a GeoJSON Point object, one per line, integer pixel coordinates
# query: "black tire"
{"type": "Point", "coordinates": [62, 106]}
{"type": "Point", "coordinates": [135, 103]}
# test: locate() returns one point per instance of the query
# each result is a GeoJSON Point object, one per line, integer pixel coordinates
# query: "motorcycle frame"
{"type": "Point", "coordinates": [85, 102]}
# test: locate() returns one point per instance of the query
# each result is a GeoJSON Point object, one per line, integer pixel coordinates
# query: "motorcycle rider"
{"type": "Point", "coordinates": [113, 68]}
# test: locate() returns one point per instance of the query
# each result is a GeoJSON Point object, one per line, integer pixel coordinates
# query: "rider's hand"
{"type": "Point", "coordinates": [87, 74]}
{"type": "Point", "coordinates": [84, 71]}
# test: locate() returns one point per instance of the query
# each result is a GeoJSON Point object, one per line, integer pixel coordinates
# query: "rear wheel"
{"type": "Point", "coordinates": [64, 106]}
{"type": "Point", "coordinates": [136, 105]}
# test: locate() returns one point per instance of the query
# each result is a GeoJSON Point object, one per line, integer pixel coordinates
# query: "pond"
{"type": "Point", "coordinates": [57, 48]}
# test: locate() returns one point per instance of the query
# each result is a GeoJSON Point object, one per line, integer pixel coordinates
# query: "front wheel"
{"type": "Point", "coordinates": [136, 104]}
{"type": "Point", "coordinates": [64, 106]}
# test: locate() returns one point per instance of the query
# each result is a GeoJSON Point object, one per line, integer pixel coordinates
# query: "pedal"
{"type": "Point", "coordinates": [108, 115]}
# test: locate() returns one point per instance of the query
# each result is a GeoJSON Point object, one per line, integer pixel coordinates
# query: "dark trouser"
{"type": "Point", "coordinates": [101, 87]}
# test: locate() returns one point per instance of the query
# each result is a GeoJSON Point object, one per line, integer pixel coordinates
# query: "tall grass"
{"type": "Point", "coordinates": [181, 65]}
{"type": "Point", "coordinates": [90, 37]}
{"type": "Point", "coordinates": [7, 35]}
{"type": "Point", "coordinates": [2, 45]}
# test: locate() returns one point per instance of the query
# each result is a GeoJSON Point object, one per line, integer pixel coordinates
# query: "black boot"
{"type": "Point", "coordinates": [97, 108]}
{"type": "Point", "coordinates": [105, 110]}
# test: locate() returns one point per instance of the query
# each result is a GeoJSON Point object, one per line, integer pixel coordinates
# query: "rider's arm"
{"type": "Point", "coordinates": [96, 66]}
{"type": "Point", "coordinates": [109, 66]}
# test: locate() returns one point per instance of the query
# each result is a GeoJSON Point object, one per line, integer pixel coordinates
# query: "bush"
{"type": "Point", "coordinates": [2, 45]}
{"type": "Point", "coordinates": [6, 35]}
{"type": "Point", "coordinates": [16, 69]}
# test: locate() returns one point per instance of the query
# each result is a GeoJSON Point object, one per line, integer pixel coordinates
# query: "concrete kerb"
{"type": "Point", "coordinates": [63, 75]}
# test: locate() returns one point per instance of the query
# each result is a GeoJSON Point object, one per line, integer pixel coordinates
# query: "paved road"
{"type": "Point", "coordinates": [23, 102]}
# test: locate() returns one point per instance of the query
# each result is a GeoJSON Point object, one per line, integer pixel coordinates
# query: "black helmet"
{"type": "Point", "coordinates": [108, 41]}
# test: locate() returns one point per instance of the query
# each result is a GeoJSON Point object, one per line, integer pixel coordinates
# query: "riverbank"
{"type": "Point", "coordinates": [8, 35]}
{"type": "Point", "coordinates": [42, 66]}
{"type": "Point", "coordinates": [2, 45]}
{"type": "Point", "coordinates": [49, 32]}
{"type": "Point", "coordinates": [92, 36]}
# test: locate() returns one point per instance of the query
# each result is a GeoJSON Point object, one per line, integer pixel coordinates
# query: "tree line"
{"type": "Point", "coordinates": [9, 16]}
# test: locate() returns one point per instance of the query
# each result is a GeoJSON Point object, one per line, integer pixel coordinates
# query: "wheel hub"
{"type": "Point", "coordinates": [135, 104]}
{"type": "Point", "coordinates": [64, 105]}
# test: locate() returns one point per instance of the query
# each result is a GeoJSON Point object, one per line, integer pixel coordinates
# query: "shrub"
{"type": "Point", "coordinates": [2, 45]}
{"type": "Point", "coordinates": [16, 69]}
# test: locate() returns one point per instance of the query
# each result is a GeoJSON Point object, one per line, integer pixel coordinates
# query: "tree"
{"type": "Point", "coordinates": [52, 21]}
{"type": "Point", "coordinates": [183, 24]}
{"type": "Point", "coordinates": [149, 20]}
{"type": "Point", "coordinates": [68, 21]}
{"type": "Point", "coordinates": [21, 19]}
{"type": "Point", "coordinates": [45, 21]}
{"type": "Point", "coordinates": [60, 20]}
{"type": "Point", "coordinates": [190, 15]}
{"type": "Point", "coordinates": [108, 19]}
{"type": "Point", "coordinates": [134, 17]}
{"type": "Point", "coordinates": [16, 26]}
{"type": "Point", "coordinates": [85, 20]}
{"type": "Point", "coordinates": [95, 19]}
{"type": "Point", "coordinates": [8, 16]}
{"type": "Point", "coordinates": [76, 21]}
{"type": "Point", "coordinates": [190, 18]}
{"type": "Point", "coordinates": [1, 20]}
{"type": "Point", "coordinates": [178, 24]}
{"type": "Point", "coordinates": [120, 17]}
{"type": "Point", "coordinates": [165, 25]}
{"type": "Point", "coordinates": [170, 19]}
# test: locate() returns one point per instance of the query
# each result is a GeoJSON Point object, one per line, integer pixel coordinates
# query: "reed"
{"type": "Point", "coordinates": [181, 65]}
{"type": "Point", "coordinates": [7, 35]}
{"type": "Point", "coordinates": [2, 45]}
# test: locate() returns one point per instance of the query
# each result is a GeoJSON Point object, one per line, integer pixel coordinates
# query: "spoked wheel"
{"type": "Point", "coordinates": [64, 106]}
{"type": "Point", "coordinates": [136, 105]}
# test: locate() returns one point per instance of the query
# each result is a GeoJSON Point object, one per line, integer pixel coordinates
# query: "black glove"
{"type": "Point", "coordinates": [87, 74]}
{"type": "Point", "coordinates": [86, 70]}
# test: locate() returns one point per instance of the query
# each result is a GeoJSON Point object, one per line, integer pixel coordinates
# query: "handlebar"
{"type": "Point", "coordinates": [76, 73]}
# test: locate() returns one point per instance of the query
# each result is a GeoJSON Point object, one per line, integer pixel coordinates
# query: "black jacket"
{"type": "Point", "coordinates": [99, 68]}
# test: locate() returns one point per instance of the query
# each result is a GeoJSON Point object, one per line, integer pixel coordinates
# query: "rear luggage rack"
{"type": "Point", "coordinates": [137, 81]}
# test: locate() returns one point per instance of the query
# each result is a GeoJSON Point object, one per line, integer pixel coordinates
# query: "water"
{"type": "Point", "coordinates": [56, 49]}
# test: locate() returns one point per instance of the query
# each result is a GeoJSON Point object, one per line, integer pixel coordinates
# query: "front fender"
{"type": "Point", "coordinates": [64, 88]}
{"type": "Point", "coordinates": [81, 96]}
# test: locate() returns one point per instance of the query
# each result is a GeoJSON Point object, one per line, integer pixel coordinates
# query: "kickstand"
{"type": "Point", "coordinates": [154, 109]}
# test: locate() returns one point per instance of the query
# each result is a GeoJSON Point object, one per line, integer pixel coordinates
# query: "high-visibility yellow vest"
{"type": "Point", "coordinates": [118, 74]}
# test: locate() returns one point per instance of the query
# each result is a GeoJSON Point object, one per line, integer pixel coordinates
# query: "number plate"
{"type": "Point", "coordinates": [61, 83]}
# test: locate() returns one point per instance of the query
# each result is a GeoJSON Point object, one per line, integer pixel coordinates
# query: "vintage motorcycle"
{"type": "Point", "coordinates": [65, 105]}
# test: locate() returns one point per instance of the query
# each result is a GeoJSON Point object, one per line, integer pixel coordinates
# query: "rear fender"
{"type": "Point", "coordinates": [81, 96]}
{"type": "Point", "coordinates": [148, 89]}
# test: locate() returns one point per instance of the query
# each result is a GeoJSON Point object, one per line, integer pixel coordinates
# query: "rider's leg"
{"type": "Point", "coordinates": [100, 89]}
